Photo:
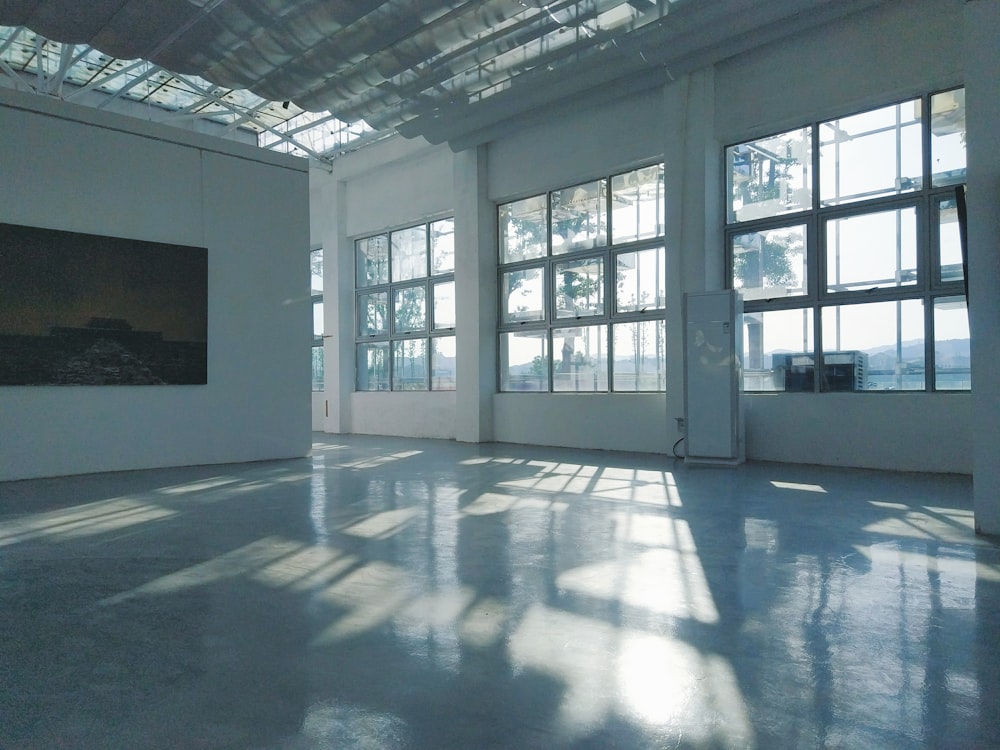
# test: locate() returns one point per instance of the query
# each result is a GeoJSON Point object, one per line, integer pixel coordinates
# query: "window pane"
{"type": "Point", "coordinates": [580, 358]}
{"type": "Point", "coordinates": [871, 154]}
{"type": "Point", "coordinates": [317, 320]}
{"type": "Point", "coordinates": [373, 366]}
{"type": "Point", "coordinates": [372, 257]}
{"type": "Point", "coordinates": [771, 176]}
{"type": "Point", "coordinates": [317, 368]}
{"type": "Point", "coordinates": [372, 313]}
{"type": "Point", "coordinates": [637, 204]}
{"type": "Point", "coordinates": [316, 271]}
{"type": "Point", "coordinates": [877, 346]}
{"type": "Point", "coordinates": [443, 246]}
{"type": "Point", "coordinates": [778, 350]}
{"type": "Point", "coordinates": [770, 264]}
{"type": "Point", "coordinates": [579, 288]}
{"type": "Point", "coordinates": [578, 217]}
{"type": "Point", "coordinates": [524, 361]}
{"type": "Point", "coordinates": [948, 137]}
{"type": "Point", "coordinates": [409, 365]}
{"type": "Point", "coordinates": [444, 305]}
{"type": "Point", "coordinates": [523, 229]}
{"type": "Point", "coordinates": [524, 295]}
{"type": "Point", "coordinates": [443, 364]}
{"type": "Point", "coordinates": [872, 250]}
{"type": "Point", "coordinates": [409, 253]}
{"type": "Point", "coordinates": [952, 363]}
{"type": "Point", "coordinates": [640, 281]}
{"type": "Point", "coordinates": [949, 241]}
{"type": "Point", "coordinates": [410, 309]}
{"type": "Point", "coordinates": [640, 356]}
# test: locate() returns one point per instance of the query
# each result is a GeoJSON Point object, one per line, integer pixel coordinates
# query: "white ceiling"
{"type": "Point", "coordinates": [461, 72]}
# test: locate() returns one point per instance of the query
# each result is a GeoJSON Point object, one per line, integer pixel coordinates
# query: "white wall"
{"type": "Point", "coordinates": [76, 169]}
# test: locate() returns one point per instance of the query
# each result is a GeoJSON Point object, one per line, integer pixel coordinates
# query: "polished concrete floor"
{"type": "Point", "coordinates": [390, 593]}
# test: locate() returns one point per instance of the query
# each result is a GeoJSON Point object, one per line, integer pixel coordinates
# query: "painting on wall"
{"type": "Point", "coordinates": [80, 309]}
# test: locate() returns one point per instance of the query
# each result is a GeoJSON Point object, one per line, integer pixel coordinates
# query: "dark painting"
{"type": "Point", "coordinates": [79, 309]}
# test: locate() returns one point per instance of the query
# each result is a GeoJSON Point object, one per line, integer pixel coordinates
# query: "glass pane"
{"type": "Point", "coordinates": [409, 365]}
{"type": "Point", "coordinates": [409, 253]}
{"type": "Point", "coordinates": [317, 320]}
{"type": "Point", "coordinates": [640, 281]}
{"type": "Point", "coordinates": [524, 361]}
{"type": "Point", "coordinates": [579, 288]}
{"type": "Point", "coordinates": [317, 368]}
{"type": "Point", "coordinates": [580, 358]}
{"type": "Point", "coordinates": [410, 309]}
{"type": "Point", "coordinates": [637, 204]}
{"type": "Point", "coordinates": [316, 271]}
{"type": "Point", "coordinates": [372, 257]}
{"type": "Point", "coordinates": [871, 154]}
{"type": "Point", "coordinates": [640, 362]}
{"type": "Point", "coordinates": [770, 264]}
{"type": "Point", "coordinates": [443, 363]}
{"type": "Point", "coordinates": [443, 246]}
{"type": "Point", "coordinates": [877, 346]}
{"type": "Point", "coordinates": [872, 250]}
{"type": "Point", "coordinates": [444, 305]}
{"type": "Point", "coordinates": [373, 366]}
{"type": "Point", "coordinates": [523, 229]}
{"type": "Point", "coordinates": [952, 363]}
{"type": "Point", "coordinates": [778, 350]}
{"type": "Point", "coordinates": [524, 295]}
{"type": "Point", "coordinates": [949, 241]}
{"type": "Point", "coordinates": [579, 221]}
{"type": "Point", "coordinates": [948, 137]}
{"type": "Point", "coordinates": [771, 176]}
{"type": "Point", "coordinates": [373, 313]}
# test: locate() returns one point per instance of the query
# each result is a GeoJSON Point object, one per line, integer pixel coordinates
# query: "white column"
{"type": "Point", "coordinates": [982, 97]}
{"type": "Point", "coordinates": [476, 298]}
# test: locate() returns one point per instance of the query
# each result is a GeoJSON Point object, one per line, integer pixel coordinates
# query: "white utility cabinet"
{"type": "Point", "coordinates": [713, 419]}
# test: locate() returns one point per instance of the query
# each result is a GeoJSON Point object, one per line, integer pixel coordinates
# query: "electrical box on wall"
{"type": "Point", "coordinates": [713, 419]}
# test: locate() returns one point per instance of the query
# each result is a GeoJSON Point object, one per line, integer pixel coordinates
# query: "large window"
{"type": "Point", "coordinates": [316, 288]}
{"type": "Point", "coordinates": [582, 301]}
{"type": "Point", "coordinates": [405, 331]}
{"type": "Point", "coordinates": [843, 237]}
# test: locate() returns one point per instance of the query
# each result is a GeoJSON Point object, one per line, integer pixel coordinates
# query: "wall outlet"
{"type": "Point", "coordinates": [680, 424]}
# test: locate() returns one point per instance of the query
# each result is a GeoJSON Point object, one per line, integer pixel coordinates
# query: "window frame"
{"type": "Point", "coordinates": [316, 297]}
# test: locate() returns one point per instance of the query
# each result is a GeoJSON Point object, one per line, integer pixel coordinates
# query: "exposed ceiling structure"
{"type": "Point", "coordinates": [447, 70]}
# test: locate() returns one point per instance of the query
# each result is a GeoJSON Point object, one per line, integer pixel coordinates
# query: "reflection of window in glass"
{"type": "Point", "coordinates": [523, 229]}
{"type": "Point", "coordinates": [373, 366]}
{"type": "Point", "coordinates": [877, 346]}
{"type": "Point", "coordinates": [372, 313]}
{"type": "Point", "coordinates": [442, 246]}
{"type": "Point", "coordinates": [409, 309]}
{"type": "Point", "coordinates": [871, 154]}
{"type": "Point", "coordinates": [579, 287]}
{"type": "Point", "coordinates": [316, 290]}
{"type": "Point", "coordinates": [770, 176]}
{"type": "Point", "coordinates": [952, 360]}
{"type": "Point", "coordinates": [524, 361]}
{"type": "Point", "coordinates": [317, 368]}
{"type": "Point", "coordinates": [949, 241]}
{"type": "Point", "coordinates": [637, 204]}
{"type": "Point", "coordinates": [443, 363]}
{"type": "Point", "coordinates": [640, 362]}
{"type": "Point", "coordinates": [771, 263]}
{"type": "Point", "coordinates": [444, 305]}
{"type": "Point", "coordinates": [948, 137]}
{"type": "Point", "coordinates": [409, 253]}
{"type": "Point", "coordinates": [640, 281]}
{"type": "Point", "coordinates": [372, 260]}
{"type": "Point", "coordinates": [579, 220]}
{"type": "Point", "coordinates": [580, 358]}
{"type": "Point", "coordinates": [524, 292]}
{"type": "Point", "coordinates": [872, 250]}
{"type": "Point", "coordinates": [409, 365]}
{"type": "Point", "coordinates": [778, 350]}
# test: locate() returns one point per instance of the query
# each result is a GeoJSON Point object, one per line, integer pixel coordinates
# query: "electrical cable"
{"type": "Point", "coordinates": [679, 441]}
